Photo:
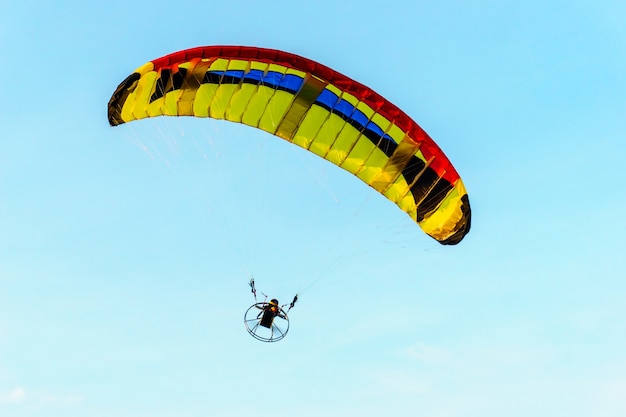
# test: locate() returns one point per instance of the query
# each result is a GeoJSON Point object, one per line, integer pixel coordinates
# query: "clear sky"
{"type": "Point", "coordinates": [125, 252]}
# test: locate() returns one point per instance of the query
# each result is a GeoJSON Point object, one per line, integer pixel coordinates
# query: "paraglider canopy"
{"type": "Point", "coordinates": [311, 106]}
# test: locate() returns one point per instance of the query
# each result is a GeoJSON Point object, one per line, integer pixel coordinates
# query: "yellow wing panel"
{"type": "Point", "coordinates": [256, 107]}
{"type": "Point", "coordinates": [221, 100]}
{"type": "Point", "coordinates": [327, 134]}
{"type": "Point", "coordinates": [204, 97]}
{"type": "Point", "coordinates": [357, 156]}
{"type": "Point", "coordinates": [276, 109]}
{"type": "Point", "coordinates": [239, 102]}
{"type": "Point", "coordinates": [310, 125]}
{"type": "Point", "coordinates": [441, 223]}
{"type": "Point", "coordinates": [135, 107]}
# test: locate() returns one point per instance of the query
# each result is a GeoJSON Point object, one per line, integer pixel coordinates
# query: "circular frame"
{"type": "Point", "coordinates": [278, 329]}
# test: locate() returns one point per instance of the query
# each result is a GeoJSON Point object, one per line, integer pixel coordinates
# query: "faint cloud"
{"type": "Point", "coordinates": [427, 353]}
{"type": "Point", "coordinates": [400, 381]}
{"type": "Point", "coordinates": [18, 396]}
{"type": "Point", "coordinates": [15, 396]}
{"type": "Point", "coordinates": [66, 400]}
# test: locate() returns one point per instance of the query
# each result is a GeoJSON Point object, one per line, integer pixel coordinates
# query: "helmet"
{"type": "Point", "coordinates": [274, 301]}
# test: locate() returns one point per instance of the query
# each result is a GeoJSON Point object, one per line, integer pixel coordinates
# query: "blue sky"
{"type": "Point", "coordinates": [125, 252]}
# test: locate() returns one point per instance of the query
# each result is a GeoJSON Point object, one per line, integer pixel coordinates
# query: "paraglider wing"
{"type": "Point", "coordinates": [314, 107]}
